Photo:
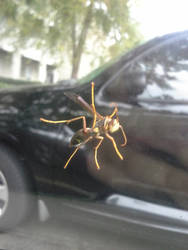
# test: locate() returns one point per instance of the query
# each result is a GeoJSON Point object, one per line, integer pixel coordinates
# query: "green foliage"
{"type": "Point", "coordinates": [66, 25]}
{"type": "Point", "coordinates": [88, 78]}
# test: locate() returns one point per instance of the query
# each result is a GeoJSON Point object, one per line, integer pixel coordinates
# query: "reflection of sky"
{"type": "Point", "coordinates": [43, 133]}
{"type": "Point", "coordinates": [178, 88]}
{"type": "Point", "coordinates": [65, 134]}
{"type": "Point", "coordinates": [176, 109]}
{"type": "Point", "coordinates": [9, 110]}
{"type": "Point", "coordinates": [148, 207]}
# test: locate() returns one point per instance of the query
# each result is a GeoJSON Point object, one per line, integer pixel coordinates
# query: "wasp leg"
{"type": "Point", "coordinates": [101, 138]}
{"type": "Point", "coordinates": [114, 144]}
{"type": "Point", "coordinates": [69, 121]}
{"type": "Point", "coordinates": [93, 104]}
{"type": "Point", "coordinates": [74, 152]}
{"type": "Point", "coordinates": [78, 118]}
{"type": "Point", "coordinates": [49, 121]}
{"type": "Point", "coordinates": [124, 136]}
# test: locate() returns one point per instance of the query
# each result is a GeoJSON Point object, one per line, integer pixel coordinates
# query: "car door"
{"type": "Point", "coordinates": [152, 94]}
{"type": "Point", "coordinates": [36, 138]}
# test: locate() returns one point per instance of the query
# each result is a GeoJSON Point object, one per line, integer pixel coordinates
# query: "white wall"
{"type": "Point", "coordinates": [12, 67]}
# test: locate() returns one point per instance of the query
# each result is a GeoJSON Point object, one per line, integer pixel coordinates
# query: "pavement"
{"type": "Point", "coordinates": [76, 227]}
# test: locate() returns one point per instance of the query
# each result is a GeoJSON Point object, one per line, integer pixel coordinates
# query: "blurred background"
{"type": "Point", "coordinates": [52, 41]}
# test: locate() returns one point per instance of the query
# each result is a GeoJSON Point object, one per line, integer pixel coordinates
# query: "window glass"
{"type": "Point", "coordinates": [29, 69]}
{"type": "Point", "coordinates": [161, 74]}
{"type": "Point", "coordinates": [5, 63]}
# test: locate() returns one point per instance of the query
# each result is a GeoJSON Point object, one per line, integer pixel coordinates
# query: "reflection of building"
{"type": "Point", "coordinates": [29, 65]}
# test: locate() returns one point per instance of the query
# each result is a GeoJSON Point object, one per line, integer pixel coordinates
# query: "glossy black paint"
{"type": "Point", "coordinates": [149, 86]}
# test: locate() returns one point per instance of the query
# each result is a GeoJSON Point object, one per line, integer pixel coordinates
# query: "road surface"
{"type": "Point", "coordinates": [73, 227]}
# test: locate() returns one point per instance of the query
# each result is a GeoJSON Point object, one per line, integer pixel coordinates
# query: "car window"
{"type": "Point", "coordinates": [160, 75]}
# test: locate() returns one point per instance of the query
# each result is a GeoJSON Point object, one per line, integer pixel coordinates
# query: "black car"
{"type": "Point", "coordinates": [149, 187]}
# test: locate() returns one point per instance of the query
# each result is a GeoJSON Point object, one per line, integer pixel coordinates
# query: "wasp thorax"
{"type": "Point", "coordinates": [113, 125]}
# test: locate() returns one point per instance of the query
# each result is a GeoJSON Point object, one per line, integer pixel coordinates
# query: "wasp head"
{"type": "Point", "coordinates": [113, 125]}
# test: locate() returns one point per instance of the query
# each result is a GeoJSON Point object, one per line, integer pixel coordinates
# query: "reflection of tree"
{"type": "Point", "coordinates": [160, 67]}
{"type": "Point", "coordinates": [25, 107]}
{"type": "Point", "coordinates": [20, 113]}
{"type": "Point", "coordinates": [171, 58]}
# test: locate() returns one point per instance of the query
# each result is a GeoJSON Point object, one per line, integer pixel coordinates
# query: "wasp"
{"type": "Point", "coordinates": [102, 126]}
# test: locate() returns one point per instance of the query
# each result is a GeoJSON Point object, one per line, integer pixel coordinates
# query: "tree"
{"type": "Point", "coordinates": [66, 25]}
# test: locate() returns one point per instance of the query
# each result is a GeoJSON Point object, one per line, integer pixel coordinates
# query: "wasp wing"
{"type": "Point", "coordinates": [79, 100]}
